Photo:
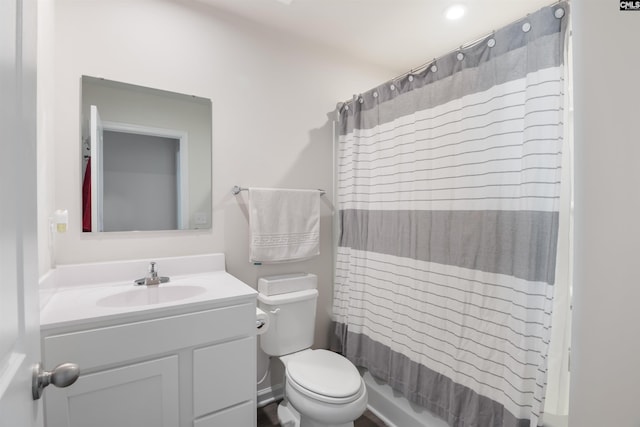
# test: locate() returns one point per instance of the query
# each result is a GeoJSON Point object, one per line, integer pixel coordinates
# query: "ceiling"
{"type": "Point", "coordinates": [394, 34]}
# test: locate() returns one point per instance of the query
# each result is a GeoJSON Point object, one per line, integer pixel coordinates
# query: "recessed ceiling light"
{"type": "Point", "coordinates": [455, 11]}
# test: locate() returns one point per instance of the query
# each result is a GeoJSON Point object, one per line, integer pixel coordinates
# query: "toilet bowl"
{"type": "Point", "coordinates": [322, 388]}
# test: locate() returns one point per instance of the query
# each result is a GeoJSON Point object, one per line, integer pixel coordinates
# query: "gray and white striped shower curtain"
{"type": "Point", "coordinates": [448, 189]}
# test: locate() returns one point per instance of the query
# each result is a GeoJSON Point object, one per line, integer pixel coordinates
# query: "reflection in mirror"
{"type": "Point", "coordinates": [146, 158]}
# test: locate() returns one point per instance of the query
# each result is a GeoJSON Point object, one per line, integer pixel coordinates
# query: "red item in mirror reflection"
{"type": "Point", "coordinates": [86, 198]}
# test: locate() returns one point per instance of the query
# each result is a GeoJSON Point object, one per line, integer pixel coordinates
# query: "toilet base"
{"type": "Point", "coordinates": [288, 416]}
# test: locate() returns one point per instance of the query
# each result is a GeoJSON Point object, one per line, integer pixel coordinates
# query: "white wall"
{"type": "Point", "coordinates": [605, 357]}
{"type": "Point", "coordinates": [271, 98]}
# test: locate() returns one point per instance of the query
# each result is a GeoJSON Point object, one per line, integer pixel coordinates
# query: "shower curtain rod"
{"type": "Point", "coordinates": [433, 61]}
{"type": "Point", "coordinates": [236, 190]}
{"type": "Point", "coordinates": [458, 49]}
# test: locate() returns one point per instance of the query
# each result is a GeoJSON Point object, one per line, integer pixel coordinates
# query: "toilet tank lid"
{"type": "Point", "coordinates": [287, 298]}
{"type": "Point", "coordinates": [287, 283]}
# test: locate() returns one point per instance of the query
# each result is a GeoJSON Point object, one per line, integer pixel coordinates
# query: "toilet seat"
{"type": "Point", "coordinates": [324, 376]}
{"type": "Point", "coordinates": [310, 395]}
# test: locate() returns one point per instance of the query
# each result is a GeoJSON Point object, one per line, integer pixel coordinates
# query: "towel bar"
{"type": "Point", "coordinates": [236, 190]}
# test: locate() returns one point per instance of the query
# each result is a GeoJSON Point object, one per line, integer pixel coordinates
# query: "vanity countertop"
{"type": "Point", "coordinates": [69, 308]}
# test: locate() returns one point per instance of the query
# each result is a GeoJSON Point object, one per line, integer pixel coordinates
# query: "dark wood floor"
{"type": "Point", "coordinates": [267, 417]}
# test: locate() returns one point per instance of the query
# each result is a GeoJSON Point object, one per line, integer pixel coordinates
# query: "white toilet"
{"type": "Point", "coordinates": [322, 388]}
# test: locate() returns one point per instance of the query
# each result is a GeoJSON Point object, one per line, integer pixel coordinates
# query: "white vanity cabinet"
{"type": "Point", "coordinates": [186, 367]}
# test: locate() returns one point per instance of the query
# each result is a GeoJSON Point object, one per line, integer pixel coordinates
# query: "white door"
{"type": "Point", "coordinates": [19, 318]}
{"type": "Point", "coordinates": [97, 170]}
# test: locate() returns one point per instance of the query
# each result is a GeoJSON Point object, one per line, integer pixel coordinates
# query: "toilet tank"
{"type": "Point", "coordinates": [290, 302]}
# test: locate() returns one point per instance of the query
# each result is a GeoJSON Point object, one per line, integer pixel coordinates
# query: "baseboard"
{"type": "Point", "coordinates": [269, 395]}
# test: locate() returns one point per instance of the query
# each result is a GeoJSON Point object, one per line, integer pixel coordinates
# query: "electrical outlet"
{"type": "Point", "coordinates": [200, 218]}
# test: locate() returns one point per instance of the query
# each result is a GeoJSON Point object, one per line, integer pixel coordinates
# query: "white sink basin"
{"type": "Point", "coordinates": [105, 304]}
{"type": "Point", "coordinates": [150, 295]}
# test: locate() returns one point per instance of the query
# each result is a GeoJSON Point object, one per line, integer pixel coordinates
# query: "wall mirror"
{"type": "Point", "coordinates": [146, 158]}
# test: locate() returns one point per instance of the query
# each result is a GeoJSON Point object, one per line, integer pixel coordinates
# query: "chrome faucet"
{"type": "Point", "coordinates": [152, 278]}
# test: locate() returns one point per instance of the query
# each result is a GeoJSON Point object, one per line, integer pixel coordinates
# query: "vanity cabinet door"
{"type": "Point", "coordinates": [137, 395]}
{"type": "Point", "coordinates": [224, 375]}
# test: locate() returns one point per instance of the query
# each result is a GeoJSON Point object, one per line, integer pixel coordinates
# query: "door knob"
{"type": "Point", "coordinates": [62, 375]}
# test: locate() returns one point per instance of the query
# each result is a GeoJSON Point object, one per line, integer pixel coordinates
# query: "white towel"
{"type": "Point", "coordinates": [285, 224]}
